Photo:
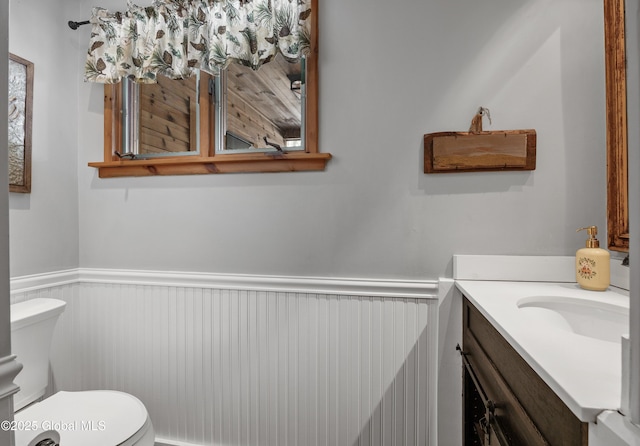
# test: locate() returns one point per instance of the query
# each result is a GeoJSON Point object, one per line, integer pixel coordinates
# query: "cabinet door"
{"type": "Point", "coordinates": [526, 409]}
{"type": "Point", "coordinates": [481, 424]}
{"type": "Point", "coordinates": [492, 414]}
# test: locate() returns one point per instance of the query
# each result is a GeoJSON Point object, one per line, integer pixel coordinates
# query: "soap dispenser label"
{"type": "Point", "coordinates": [586, 268]}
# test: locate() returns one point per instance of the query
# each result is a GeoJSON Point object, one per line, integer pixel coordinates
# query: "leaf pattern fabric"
{"type": "Point", "coordinates": [174, 37]}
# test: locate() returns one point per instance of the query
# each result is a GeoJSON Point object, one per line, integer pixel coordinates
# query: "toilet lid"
{"type": "Point", "coordinates": [96, 417]}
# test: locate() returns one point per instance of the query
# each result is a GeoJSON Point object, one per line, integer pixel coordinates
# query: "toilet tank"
{"type": "Point", "coordinates": [32, 324]}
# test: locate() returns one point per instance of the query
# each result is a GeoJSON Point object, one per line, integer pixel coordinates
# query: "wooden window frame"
{"type": "Point", "coordinates": [207, 161]}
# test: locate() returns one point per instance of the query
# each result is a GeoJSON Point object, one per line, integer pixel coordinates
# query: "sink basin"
{"type": "Point", "coordinates": [595, 319]}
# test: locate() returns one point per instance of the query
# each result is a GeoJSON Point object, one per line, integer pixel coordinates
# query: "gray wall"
{"type": "Point", "coordinates": [44, 223]}
{"type": "Point", "coordinates": [388, 76]}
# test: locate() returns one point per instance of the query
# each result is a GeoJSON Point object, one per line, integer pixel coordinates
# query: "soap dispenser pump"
{"type": "Point", "coordinates": [593, 263]}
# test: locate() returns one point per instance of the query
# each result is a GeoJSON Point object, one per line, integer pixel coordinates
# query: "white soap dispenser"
{"type": "Point", "coordinates": [593, 263]}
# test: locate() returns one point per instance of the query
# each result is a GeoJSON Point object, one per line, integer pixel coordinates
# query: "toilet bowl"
{"type": "Point", "coordinates": [92, 417]}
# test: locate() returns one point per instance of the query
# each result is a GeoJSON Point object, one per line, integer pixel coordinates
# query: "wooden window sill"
{"type": "Point", "coordinates": [193, 165]}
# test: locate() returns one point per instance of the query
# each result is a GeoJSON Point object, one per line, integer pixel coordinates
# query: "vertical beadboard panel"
{"type": "Point", "coordinates": [235, 367]}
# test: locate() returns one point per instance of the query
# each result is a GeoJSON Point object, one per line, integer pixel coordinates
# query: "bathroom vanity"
{"type": "Point", "coordinates": [504, 398]}
{"type": "Point", "coordinates": [541, 361]}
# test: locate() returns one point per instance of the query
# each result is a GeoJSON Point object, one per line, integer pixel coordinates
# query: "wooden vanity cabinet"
{"type": "Point", "coordinates": [504, 401]}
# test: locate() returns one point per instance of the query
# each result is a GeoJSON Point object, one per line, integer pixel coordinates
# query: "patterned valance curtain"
{"type": "Point", "coordinates": [172, 37]}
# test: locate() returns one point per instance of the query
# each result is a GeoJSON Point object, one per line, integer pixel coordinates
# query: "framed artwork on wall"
{"type": "Point", "coordinates": [20, 118]}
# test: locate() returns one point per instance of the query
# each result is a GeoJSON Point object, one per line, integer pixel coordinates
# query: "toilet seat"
{"type": "Point", "coordinates": [96, 417]}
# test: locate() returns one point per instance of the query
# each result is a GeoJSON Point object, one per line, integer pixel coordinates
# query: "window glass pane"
{"type": "Point", "coordinates": [261, 110]}
{"type": "Point", "coordinates": [161, 119]}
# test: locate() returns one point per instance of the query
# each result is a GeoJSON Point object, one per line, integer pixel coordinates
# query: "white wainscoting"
{"type": "Point", "coordinates": [250, 360]}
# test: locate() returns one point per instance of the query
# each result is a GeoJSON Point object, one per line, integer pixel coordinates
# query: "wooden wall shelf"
{"type": "Point", "coordinates": [480, 151]}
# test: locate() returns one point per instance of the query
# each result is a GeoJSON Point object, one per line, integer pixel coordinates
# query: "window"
{"type": "Point", "coordinates": [122, 158]}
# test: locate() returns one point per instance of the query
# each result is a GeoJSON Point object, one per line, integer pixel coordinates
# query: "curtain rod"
{"type": "Point", "coordinates": [75, 25]}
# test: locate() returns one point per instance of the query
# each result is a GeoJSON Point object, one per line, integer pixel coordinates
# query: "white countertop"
{"type": "Point", "coordinates": [584, 372]}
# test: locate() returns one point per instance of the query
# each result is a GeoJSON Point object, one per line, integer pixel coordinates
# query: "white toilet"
{"type": "Point", "coordinates": [95, 417]}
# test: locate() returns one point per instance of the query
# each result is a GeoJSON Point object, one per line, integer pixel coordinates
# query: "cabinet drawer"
{"type": "Point", "coordinates": [528, 411]}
